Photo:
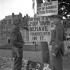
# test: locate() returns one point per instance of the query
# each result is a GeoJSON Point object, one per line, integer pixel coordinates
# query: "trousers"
{"type": "Point", "coordinates": [18, 60]}
{"type": "Point", "coordinates": [57, 63]}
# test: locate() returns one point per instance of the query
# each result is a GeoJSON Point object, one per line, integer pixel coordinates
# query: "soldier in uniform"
{"type": "Point", "coordinates": [58, 36]}
{"type": "Point", "coordinates": [17, 44]}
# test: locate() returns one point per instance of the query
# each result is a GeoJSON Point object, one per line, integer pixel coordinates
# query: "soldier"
{"type": "Point", "coordinates": [58, 36]}
{"type": "Point", "coordinates": [17, 42]}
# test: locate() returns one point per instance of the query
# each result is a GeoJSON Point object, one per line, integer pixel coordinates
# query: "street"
{"type": "Point", "coordinates": [36, 56]}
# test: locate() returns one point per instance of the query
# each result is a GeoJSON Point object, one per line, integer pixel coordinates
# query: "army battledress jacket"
{"type": "Point", "coordinates": [16, 40]}
{"type": "Point", "coordinates": [58, 36]}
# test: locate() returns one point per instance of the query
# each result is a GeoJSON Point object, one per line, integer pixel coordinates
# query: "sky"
{"type": "Point", "coordinates": [7, 7]}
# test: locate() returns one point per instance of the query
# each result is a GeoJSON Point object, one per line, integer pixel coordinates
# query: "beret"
{"type": "Point", "coordinates": [16, 21]}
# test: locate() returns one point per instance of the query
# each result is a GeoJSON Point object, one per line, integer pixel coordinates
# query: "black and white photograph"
{"type": "Point", "coordinates": [34, 34]}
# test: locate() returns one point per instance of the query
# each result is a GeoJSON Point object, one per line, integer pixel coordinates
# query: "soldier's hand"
{"type": "Point", "coordinates": [53, 54]}
{"type": "Point", "coordinates": [56, 46]}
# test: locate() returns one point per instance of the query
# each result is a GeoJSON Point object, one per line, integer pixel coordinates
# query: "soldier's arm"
{"type": "Point", "coordinates": [53, 35]}
{"type": "Point", "coordinates": [64, 36]}
{"type": "Point", "coordinates": [14, 40]}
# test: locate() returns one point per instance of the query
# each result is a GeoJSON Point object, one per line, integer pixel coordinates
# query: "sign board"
{"type": "Point", "coordinates": [46, 66]}
{"type": "Point", "coordinates": [39, 30]}
{"type": "Point", "coordinates": [36, 66]}
{"type": "Point", "coordinates": [47, 9]}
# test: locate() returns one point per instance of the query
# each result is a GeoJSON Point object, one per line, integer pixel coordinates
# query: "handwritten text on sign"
{"type": "Point", "coordinates": [48, 9]}
{"type": "Point", "coordinates": [39, 30]}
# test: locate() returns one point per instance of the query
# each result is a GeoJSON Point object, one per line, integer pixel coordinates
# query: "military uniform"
{"type": "Point", "coordinates": [45, 52]}
{"type": "Point", "coordinates": [17, 44]}
{"type": "Point", "coordinates": [58, 36]}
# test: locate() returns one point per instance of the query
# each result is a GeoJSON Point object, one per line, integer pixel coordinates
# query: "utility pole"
{"type": "Point", "coordinates": [33, 6]}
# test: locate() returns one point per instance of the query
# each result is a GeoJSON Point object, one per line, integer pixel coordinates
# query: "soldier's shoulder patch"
{"type": "Point", "coordinates": [13, 37]}
{"type": "Point", "coordinates": [13, 34]}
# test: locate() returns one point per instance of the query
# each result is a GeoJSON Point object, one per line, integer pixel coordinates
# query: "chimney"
{"type": "Point", "coordinates": [12, 15]}
{"type": "Point", "coordinates": [20, 15]}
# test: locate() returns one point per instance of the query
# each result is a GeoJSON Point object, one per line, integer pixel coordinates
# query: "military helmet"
{"type": "Point", "coordinates": [16, 21]}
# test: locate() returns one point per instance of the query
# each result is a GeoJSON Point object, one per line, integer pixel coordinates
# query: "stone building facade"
{"type": "Point", "coordinates": [6, 26]}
